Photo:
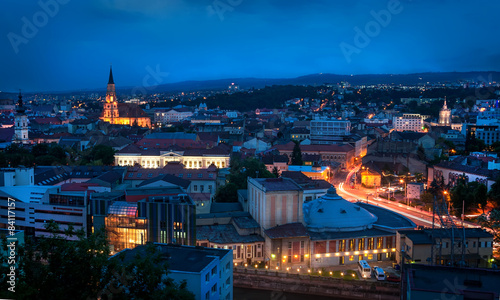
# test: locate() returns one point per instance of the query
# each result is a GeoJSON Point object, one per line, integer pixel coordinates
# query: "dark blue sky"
{"type": "Point", "coordinates": [210, 39]}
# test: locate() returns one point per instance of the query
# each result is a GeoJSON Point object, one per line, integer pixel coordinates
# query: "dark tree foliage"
{"type": "Point", "coordinates": [237, 178]}
{"type": "Point", "coordinates": [53, 267]}
{"type": "Point", "coordinates": [468, 196]}
{"type": "Point", "coordinates": [297, 154]}
{"type": "Point", "coordinates": [268, 97]}
{"type": "Point", "coordinates": [494, 193]}
{"type": "Point", "coordinates": [100, 154]}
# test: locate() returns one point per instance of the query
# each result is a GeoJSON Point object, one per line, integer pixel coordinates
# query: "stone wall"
{"type": "Point", "coordinates": [315, 285]}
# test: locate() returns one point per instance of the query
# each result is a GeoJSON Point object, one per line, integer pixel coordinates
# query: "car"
{"type": "Point", "coordinates": [378, 273]}
{"type": "Point", "coordinates": [391, 277]}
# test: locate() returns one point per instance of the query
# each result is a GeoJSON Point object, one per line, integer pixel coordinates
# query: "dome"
{"type": "Point", "coordinates": [333, 213]}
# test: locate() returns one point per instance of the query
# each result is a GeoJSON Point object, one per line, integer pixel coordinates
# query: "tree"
{"type": "Point", "coordinates": [52, 268]}
{"type": "Point", "coordinates": [296, 154]}
{"type": "Point", "coordinates": [143, 277]}
{"type": "Point", "coordinates": [106, 154]}
{"type": "Point", "coordinates": [239, 171]}
{"type": "Point", "coordinates": [481, 196]}
{"type": "Point", "coordinates": [492, 222]}
{"type": "Point", "coordinates": [494, 193]}
{"type": "Point", "coordinates": [276, 172]}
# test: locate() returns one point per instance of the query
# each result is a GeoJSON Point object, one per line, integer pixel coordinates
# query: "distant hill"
{"type": "Point", "coordinates": [313, 79]}
{"type": "Point", "coordinates": [319, 79]}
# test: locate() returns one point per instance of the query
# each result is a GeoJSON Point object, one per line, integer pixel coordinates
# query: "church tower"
{"type": "Point", "coordinates": [111, 106]}
{"type": "Point", "coordinates": [20, 123]}
{"type": "Point", "coordinates": [445, 115]}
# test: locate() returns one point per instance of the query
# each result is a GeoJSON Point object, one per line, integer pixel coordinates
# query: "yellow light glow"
{"type": "Point", "coordinates": [256, 266]}
{"type": "Point", "coordinates": [276, 268]}
{"type": "Point", "coordinates": [296, 256]}
{"type": "Point", "coordinates": [246, 265]}
{"type": "Point", "coordinates": [328, 255]}
{"type": "Point", "coordinates": [307, 255]}
{"type": "Point", "coordinates": [375, 251]}
{"type": "Point", "coordinates": [308, 271]}
{"type": "Point", "coordinates": [331, 273]}
{"type": "Point", "coordinates": [298, 270]}
{"type": "Point", "coordinates": [267, 267]}
{"type": "Point", "coordinates": [319, 272]}
{"type": "Point", "coordinates": [366, 251]}
{"type": "Point", "coordinates": [347, 253]}
{"type": "Point", "coordinates": [385, 250]}
{"type": "Point", "coordinates": [284, 256]}
{"type": "Point", "coordinates": [337, 254]}
{"type": "Point", "coordinates": [393, 249]}
{"type": "Point", "coordinates": [317, 255]}
{"type": "Point", "coordinates": [356, 252]}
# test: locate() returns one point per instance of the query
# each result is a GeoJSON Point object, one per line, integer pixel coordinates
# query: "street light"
{"type": "Point", "coordinates": [406, 196]}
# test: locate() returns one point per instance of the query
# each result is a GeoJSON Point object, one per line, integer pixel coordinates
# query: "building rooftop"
{"type": "Point", "coordinates": [287, 230]}
{"type": "Point", "coordinates": [333, 213]}
{"type": "Point", "coordinates": [451, 282]}
{"type": "Point", "coordinates": [388, 218]}
{"type": "Point", "coordinates": [180, 258]}
{"type": "Point", "coordinates": [278, 184]}
{"type": "Point", "coordinates": [224, 234]}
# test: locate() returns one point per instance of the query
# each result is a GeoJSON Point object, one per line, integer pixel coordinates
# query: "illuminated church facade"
{"type": "Point", "coordinates": [122, 113]}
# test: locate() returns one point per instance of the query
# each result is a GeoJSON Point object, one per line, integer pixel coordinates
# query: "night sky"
{"type": "Point", "coordinates": [163, 41]}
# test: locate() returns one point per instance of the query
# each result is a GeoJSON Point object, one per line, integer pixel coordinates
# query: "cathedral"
{"type": "Point", "coordinates": [445, 115]}
{"type": "Point", "coordinates": [122, 113]}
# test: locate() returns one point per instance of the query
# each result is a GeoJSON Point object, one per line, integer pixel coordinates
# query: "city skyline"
{"type": "Point", "coordinates": [56, 45]}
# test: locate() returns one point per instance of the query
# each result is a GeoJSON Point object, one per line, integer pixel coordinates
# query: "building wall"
{"type": "Point", "coordinates": [159, 161]}
{"type": "Point", "coordinates": [408, 122]}
{"type": "Point", "coordinates": [274, 208]}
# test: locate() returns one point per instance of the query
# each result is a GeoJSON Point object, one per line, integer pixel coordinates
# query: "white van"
{"type": "Point", "coordinates": [378, 273]}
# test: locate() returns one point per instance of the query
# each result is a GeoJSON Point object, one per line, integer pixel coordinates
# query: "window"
{"type": "Point", "coordinates": [189, 175]}
{"type": "Point", "coordinates": [195, 188]}
{"type": "Point", "coordinates": [207, 277]}
{"type": "Point", "coordinates": [139, 175]}
{"type": "Point", "coordinates": [200, 175]}
{"type": "Point", "coordinates": [214, 289]}
{"type": "Point", "coordinates": [202, 187]}
{"type": "Point", "coordinates": [210, 188]}
{"type": "Point", "coordinates": [207, 295]}
{"type": "Point", "coordinates": [341, 260]}
{"type": "Point", "coordinates": [180, 175]}
{"type": "Point", "coordinates": [351, 257]}
{"type": "Point", "coordinates": [214, 271]}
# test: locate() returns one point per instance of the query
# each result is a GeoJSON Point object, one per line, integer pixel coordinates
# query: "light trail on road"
{"type": "Point", "coordinates": [341, 188]}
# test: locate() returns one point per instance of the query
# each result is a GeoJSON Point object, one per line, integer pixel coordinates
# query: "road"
{"type": "Point", "coordinates": [419, 217]}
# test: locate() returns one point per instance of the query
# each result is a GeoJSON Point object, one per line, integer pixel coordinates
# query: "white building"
{"type": "Point", "coordinates": [208, 272]}
{"type": "Point", "coordinates": [17, 176]}
{"type": "Point", "coordinates": [414, 190]}
{"type": "Point", "coordinates": [408, 122]}
{"type": "Point", "coordinates": [173, 115]}
{"type": "Point", "coordinates": [329, 131]}
{"type": "Point", "coordinates": [157, 158]}
{"type": "Point", "coordinates": [36, 205]}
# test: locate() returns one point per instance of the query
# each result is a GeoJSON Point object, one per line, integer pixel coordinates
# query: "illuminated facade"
{"type": "Point", "coordinates": [125, 229]}
{"type": "Point", "coordinates": [328, 231]}
{"type": "Point", "coordinates": [122, 113]}
{"type": "Point", "coordinates": [408, 122]}
{"type": "Point", "coordinates": [445, 115]}
{"type": "Point", "coordinates": [157, 158]}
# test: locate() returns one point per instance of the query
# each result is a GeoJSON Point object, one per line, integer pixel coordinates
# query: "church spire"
{"type": "Point", "coordinates": [20, 108]}
{"type": "Point", "coordinates": [111, 81]}
{"type": "Point", "coordinates": [444, 106]}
